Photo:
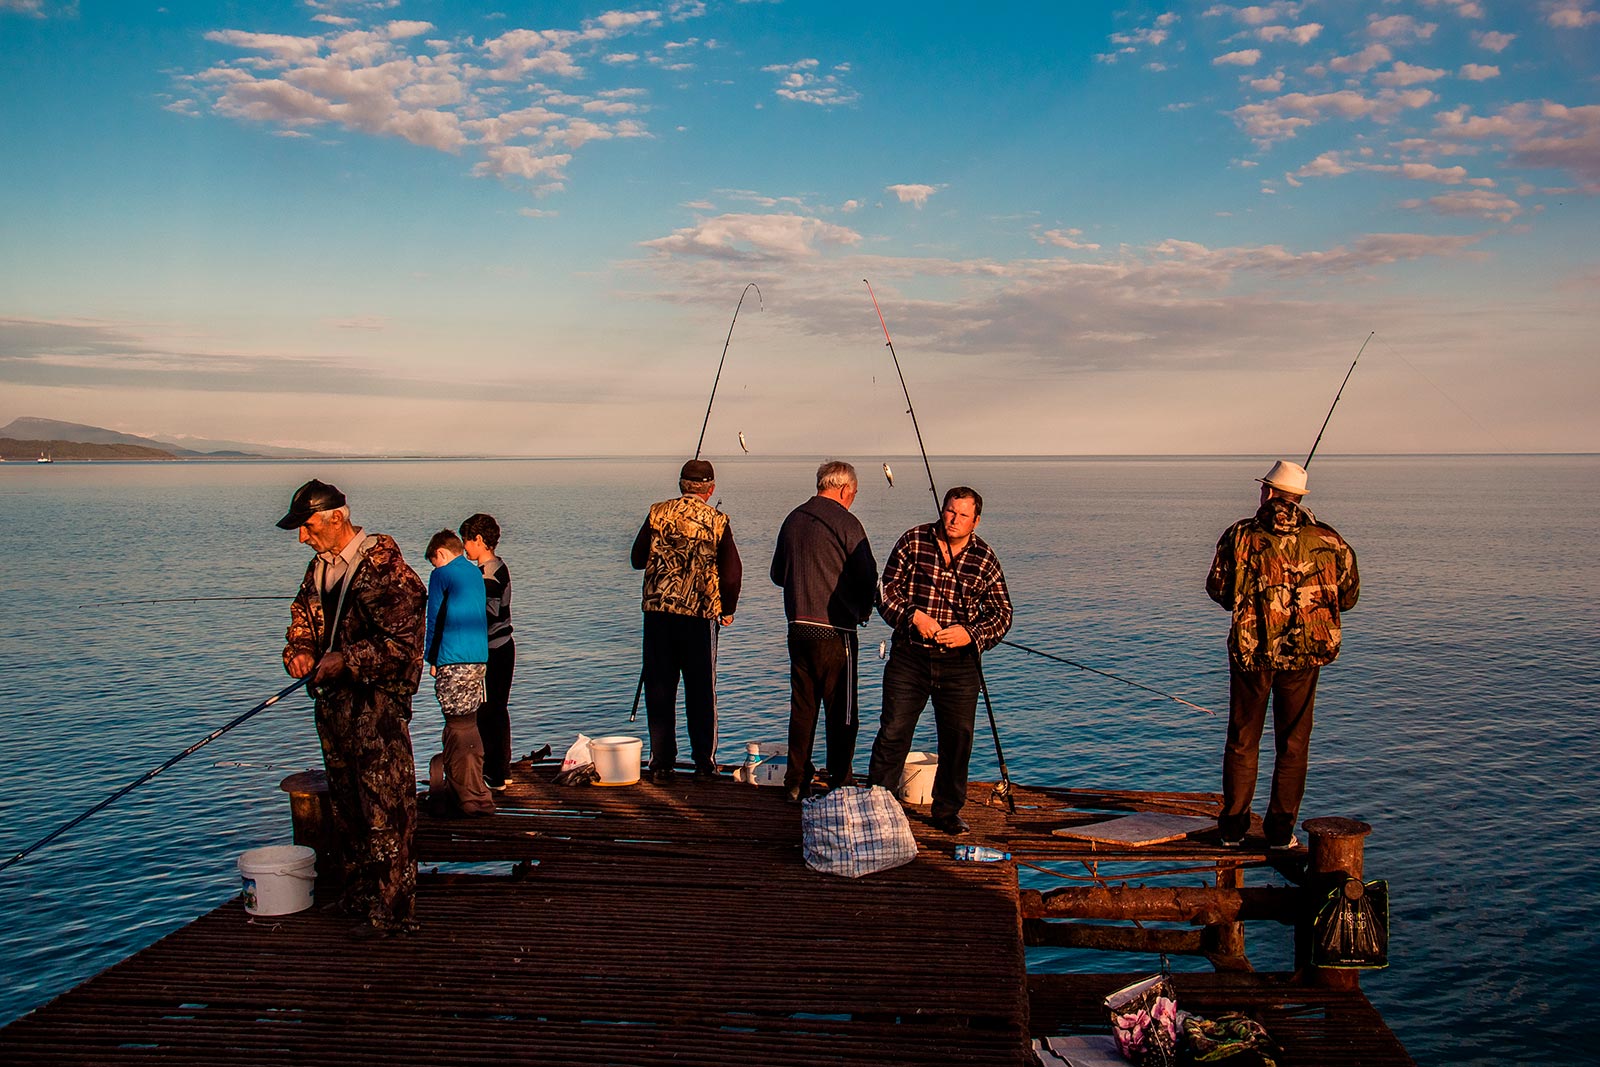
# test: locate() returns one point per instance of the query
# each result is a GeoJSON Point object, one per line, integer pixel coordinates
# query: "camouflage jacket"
{"type": "Point", "coordinates": [691, 565]}
{"type": "Point", "coordinates": [1286, 577]}
{"type": "Point", "coordinates": [381, 630]}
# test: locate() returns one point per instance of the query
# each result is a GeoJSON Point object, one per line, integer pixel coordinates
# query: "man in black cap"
{"type": "Point", "coordinates": [356, 629]}
{"type": "Point", "coordinates": [692, 576]}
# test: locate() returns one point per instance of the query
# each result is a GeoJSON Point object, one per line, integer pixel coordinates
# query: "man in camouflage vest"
{"type": "Point", "coordinates": [1285, 577]}
{"type": "Point", "coordinates": [356, 629]}
{"type": "Point", "coordinates": [692, 576]}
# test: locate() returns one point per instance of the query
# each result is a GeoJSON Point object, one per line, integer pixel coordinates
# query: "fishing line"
{"type": "Point", "coordinates": [1337, 395]}
{"type": "Point", "coordinates": [762, 304]}
{"type": "Point", "coordinates": [125, 790]}
{"type": "Point", "coordinates": [1488, 432]}
{"type": "Point", "coordinates": [1002, 790]}
{"type": "Point", "coordinates": [1107, 674]}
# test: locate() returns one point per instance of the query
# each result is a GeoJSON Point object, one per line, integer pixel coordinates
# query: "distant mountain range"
{"type": "Point", "coordinates": [45, 431]}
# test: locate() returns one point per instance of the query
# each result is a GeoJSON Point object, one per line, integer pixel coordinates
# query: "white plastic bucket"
{"type": "Point", "coordinates": [916, 784]}
{"type": "Point", "coordinates": [278, 879]}
{"type": "Point", "coordinates": [616, 759]}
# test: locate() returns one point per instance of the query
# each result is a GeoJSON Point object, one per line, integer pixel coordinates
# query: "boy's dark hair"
{"type": "Point", "coordinates": [444, 539]}
{"type": "Point", "coordinates": [964, 492]}
{"type": "Point", "coordinates": [484, 526]}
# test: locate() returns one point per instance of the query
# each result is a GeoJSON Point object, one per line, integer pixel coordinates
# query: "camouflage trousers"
{"type": "Point", "coordinates": [372, 790]}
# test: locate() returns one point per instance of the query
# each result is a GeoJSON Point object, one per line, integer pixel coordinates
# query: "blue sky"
{"type": "Point", "coordinates": [523, 229]}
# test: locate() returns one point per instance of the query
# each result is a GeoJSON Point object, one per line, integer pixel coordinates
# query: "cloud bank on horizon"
{"type": "Point", "coordinates": [382, 225]}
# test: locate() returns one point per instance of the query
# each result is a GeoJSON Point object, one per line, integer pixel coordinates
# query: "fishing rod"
{"type": "Point", "coordinates": [1002, 789]}
{"type": "Point", "coordinates": [910, 409]}
{"type": "Point", "coordinates": [177, 600]}
{"type": "Point", "coordinates": [1337, 395]}
{"type": "Point", "coordinates": [1107, 674]}
{"type": "Point", "coordinates": [125, 790]}
{"type": "Point", "coordinates": [701, 443]}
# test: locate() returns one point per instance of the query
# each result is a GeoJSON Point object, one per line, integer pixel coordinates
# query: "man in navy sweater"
{"type": "Point", "coordinates": [829, 579]}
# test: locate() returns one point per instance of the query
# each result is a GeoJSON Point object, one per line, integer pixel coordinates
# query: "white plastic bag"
{"type": "Point", "coordinates": [854, 831]}
{"type": "Point", "coordinates": [578, 754]}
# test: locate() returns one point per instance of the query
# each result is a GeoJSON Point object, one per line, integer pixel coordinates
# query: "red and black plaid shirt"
{"type": "Point", "coordinates": [970, 592]}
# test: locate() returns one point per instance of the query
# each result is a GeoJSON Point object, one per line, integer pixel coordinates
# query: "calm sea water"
{"type": "Point", "coordinates": [1460, 720]}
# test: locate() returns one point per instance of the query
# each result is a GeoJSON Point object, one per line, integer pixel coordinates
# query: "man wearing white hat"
{"type": "Point", "coordinates": [1285, 577]}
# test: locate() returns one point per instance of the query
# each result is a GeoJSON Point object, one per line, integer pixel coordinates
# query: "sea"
{"type": "Point", "coordinates": [1460, 720]}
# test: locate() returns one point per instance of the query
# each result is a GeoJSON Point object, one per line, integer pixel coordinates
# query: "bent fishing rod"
{"type": "Point", "coordinates": [125, 790]}
{"type": "Point", "coordinates": [701, 443]}
{"type": "Point", "coordinates": [639, 691]}
{"type": "Point", "coordinates": [1337, 395]}
{"type": "Point", "coordinates": [1002, 789]}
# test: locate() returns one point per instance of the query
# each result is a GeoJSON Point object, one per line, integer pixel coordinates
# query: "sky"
{"type": "Point", "coordinates": [408, 226]}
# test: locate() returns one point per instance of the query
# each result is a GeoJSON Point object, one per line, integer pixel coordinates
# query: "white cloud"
{"type": "Point", "coordinates": [1572, 15]}
{"type": "Point", "coordinates": [1248, 57]}
{"type": "Point", "coordinates": [1284, 116]}
{"type": "Point", "coordinates": [754, 237]}
{"type": "Point", "coordinates": [1399, 28]}
{"type": "Point", "coordinates": [536, 213]}
{"type": "Point", "coordinates": [1271, 84]}
{"type": "Point", "coordinates": [1067, 239]}
{"type": "Point", "coordinates": [1297, 35]}
{"type": "Point", "coordinates": [1493, 41]}
{"type": "Point", "coordinates": [1477, 72]}
{"type": "Point", "coordinates": [1402, 74]}
{"type": "Point", "coordinates": [1542, 134]}
{"type": "Point", "coordinates": [1477, 203]}
{"type": "Point", "coordinates": [1131, 41]}
{"type": "Point", "coordinates": [1257, 14]}
{"type": "Point", "coordinates": [916, 195]}
{"type": "Point", "coordinates": [798, 81]}
{"type": "Point", "coordinates": [1362, 61]}
{"type": "Point", "coordinates": [1467, 9]}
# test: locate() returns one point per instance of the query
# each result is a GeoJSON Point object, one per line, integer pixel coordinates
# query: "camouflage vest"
{"type": "Point", "coordinates": [1287, 592]}
{"type": "Point", "coordinates": [680, 577]}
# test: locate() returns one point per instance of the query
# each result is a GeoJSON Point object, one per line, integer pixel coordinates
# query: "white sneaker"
{"type": "Point", "coordinates": [1287, 846]}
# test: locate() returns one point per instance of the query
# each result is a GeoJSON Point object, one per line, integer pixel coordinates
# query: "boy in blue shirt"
{"type": "Point", "coordinates": [456, 649]}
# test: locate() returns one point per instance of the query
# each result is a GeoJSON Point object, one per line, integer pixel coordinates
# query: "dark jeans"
{"type": "Point", "coordinates": [494, 717]}
{"type": "Point", "coordinates": [1292, 693]}
{"type": "Point", "coordinates": [683, 645]}
{"type": "Point", "coordinates": [822, 670]}
{"type": "Point", "coordinates": [913, 676]}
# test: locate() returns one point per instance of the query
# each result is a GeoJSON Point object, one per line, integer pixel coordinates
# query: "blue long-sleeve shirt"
{"type": "Point", "coordinates": [458, 623]}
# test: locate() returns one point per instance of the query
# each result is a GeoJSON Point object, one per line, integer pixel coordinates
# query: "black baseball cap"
{"type": "Point", "coordinates": [309, 499]}
{"type": "Point", "coordinates": [698, 470]}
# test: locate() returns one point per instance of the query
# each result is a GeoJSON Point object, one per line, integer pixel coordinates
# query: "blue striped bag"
{"type": "Point", "coordinates": [854, 831]}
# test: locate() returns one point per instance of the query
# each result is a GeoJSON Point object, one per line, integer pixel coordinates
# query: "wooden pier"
{"type": "Point", "coordinates": [678, 925]}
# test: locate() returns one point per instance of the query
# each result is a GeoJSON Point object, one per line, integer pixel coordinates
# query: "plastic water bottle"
{"type": "Point", "coordinates": [752, 757]}
{"type": "Point", "coordinates": [980, 854]}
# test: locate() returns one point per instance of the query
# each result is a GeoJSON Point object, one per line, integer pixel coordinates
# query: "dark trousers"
{"type": "Point", "coordinates": [372, 792]}
{"type": "Point", "coordinates": [913, 676]}
{"type": "Point", "coordinates": [686, 646]}
{"type": "Point", "coordinates": [822, 670]}
{"type": "Point", "coordinates": [494, 717]}
{"type": "Point", "coordinates": [1292, 693]}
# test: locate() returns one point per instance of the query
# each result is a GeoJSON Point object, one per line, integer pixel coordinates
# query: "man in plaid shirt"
{"type": "Point", "coordinates": [945, 595]}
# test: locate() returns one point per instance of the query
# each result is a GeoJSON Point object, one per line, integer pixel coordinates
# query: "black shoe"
{"type": "Point", "coordinates": [954, 825]}
{"type": "Point", "coordinates": [663, 775]}
{"type": "Point", "coordinates": [793, 794]}
{"type": "Point", "coordinates": [368, 931]}
{"type": "Point", "coordinates": [705, 772]}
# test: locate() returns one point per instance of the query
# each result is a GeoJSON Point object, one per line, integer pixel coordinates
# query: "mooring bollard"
{"type": "Point", "coordinates": [1338, 849]}
{"type": "Point", "coordinates": [313, 819]}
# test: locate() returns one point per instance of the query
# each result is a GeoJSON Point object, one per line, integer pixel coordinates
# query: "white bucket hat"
{"type": "Point", "coordinates": [1289, 477]}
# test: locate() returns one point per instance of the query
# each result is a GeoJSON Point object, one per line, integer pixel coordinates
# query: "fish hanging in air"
{"type": "Point", "coordinates": [741, 441]}
{"type": "Point", "coordinates": [889, 474]}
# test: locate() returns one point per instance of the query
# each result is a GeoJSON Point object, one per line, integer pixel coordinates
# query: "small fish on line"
{"type": "Point", "coordinates": [883, 650]}
{"type": "Point", "coordinates": [889, 474]}
{"type": "Point", "coordinates": [741, 441]}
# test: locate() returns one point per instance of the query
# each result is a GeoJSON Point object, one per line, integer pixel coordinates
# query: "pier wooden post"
{"type": "Point", "coordinates": [313, 819]}
{"type": "Point", "coordinates": [1337, 852]}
